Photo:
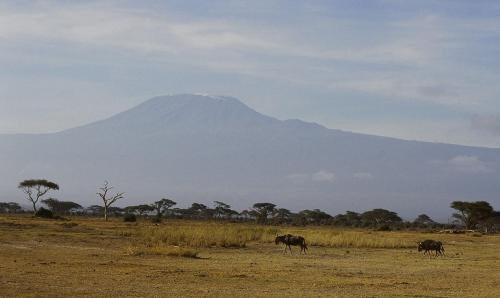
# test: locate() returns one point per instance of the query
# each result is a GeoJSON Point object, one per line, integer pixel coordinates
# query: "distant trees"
{"type": "Point", "coordinates": [282, 216]}
{"type": "Point", "coordinates": [377, 218]}
{"type": "Point", "coordinates": [162, 207]}
{"type": "Point", "coordinates": [200, 211]}
{"type": "Point", "coordinates": [263, 211]}
{"type": "Point", "coordinates": [349, 219]}
{"type": "Point", "coordinates": [94, 210]}
{"type": "Point", "coordinates": [139, 209]}
{"type": "Point", "coordinates": [61, 207]}
{"type": "Point", "coordinates": [492, 223]}
{"type": "Point", "coordinates": [470, 214]}
{"type": "Point", "coordinates": [315, 217]}
{"type": "Point", "coordinates": [423, 221]}
{"type": "Point", "coordinates": [36, 188]}
{"type": "Point", "coordinates": [10, 207]}
{"type": "Point", "coordinates": [107, 198]}
{"type": "Point", "coordinates": [223, 210]}
{"type": "Point", "coordinates": [380, 217]}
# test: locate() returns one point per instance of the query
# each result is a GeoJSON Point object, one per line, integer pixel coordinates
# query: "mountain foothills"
{"type": "Point", "coordinates": [205, 148]}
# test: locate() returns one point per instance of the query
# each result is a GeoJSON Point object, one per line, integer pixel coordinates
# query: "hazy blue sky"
{"type": "Point", "coordinates": [426, 70]}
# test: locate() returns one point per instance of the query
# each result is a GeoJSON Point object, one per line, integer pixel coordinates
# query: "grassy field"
{"type": "Point", "coordinates": [87, 257]}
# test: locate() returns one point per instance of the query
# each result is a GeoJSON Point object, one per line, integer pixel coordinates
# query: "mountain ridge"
{"type": "Point", "coordinates": [203, 148]}
{"type": "Point", "coordinates": [238, 102]}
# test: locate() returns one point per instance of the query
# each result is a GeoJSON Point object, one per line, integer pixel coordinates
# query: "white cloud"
{"type": "Point", "coordinates": [405, 87]}
{"type": "Point", "coordinates": [323, 176]}
{"type": "Point", "coordinates": [296, 177]}
{"type": "Point", "coordinates": [97, 26]}
{"type": "Point", "coordinates": [363, 176]}
{"type": "Point", "coordinates": [469, 164]}
{"type": "Point", "coordinates": [320, 176]}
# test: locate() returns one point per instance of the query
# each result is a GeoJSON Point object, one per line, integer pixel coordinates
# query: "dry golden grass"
{"type": "Point", "coordinates": [173, 251]}
{"type": "Point", "coordinates": [355, 238]}
{"type": "Point", "coordinates": [203, 234]}
{"type": "Point", "coordinates": [91, 258]}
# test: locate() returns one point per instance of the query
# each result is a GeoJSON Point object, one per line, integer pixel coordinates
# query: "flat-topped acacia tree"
{"type": "Point", "coordinates": [263, 210]}
{"type": "Point", "coordinates": [108, 199]}
{"type": "Point", "coordinates": [162, 206]}
{"type": "Point", "coordinates": [36, 188]}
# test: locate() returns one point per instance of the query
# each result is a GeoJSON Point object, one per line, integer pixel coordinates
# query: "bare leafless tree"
{"type": "Point", "coordinates": [107, 198]}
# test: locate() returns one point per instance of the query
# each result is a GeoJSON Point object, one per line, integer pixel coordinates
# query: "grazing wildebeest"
{"type": "Point", "coordinates": [289, 240]}
{"type": "Point", "coordinates": [428, 245]}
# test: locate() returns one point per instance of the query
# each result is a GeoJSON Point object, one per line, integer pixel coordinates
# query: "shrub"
{"type": "Point", "coordinates": [44, 213]}
{"type": "Point", "coordinates": [384, 228]}
{"type": "Point", "coordinates": [129, 217]}
{"type": "Point", "coordinates": [156, 220]}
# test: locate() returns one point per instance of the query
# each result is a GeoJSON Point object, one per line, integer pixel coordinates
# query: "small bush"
{"type": "Point", "coordinates": [384, 228]}
{"type": "Point", "coordinates": [129, 217]}
{"type": "Point", "coordinates": [156, 219]}
{"type": "Point", "coordinates": [44, 213]}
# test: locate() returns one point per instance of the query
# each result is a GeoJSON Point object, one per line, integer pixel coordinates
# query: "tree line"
{"type": "Point", "coordinates": [470, 215]}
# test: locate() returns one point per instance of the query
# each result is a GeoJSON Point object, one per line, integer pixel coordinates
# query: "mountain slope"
{"type": "Point", "coordinates": [202, 148]}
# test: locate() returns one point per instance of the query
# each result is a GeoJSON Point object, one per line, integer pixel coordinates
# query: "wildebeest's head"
{"type": "Point", "coordinates": [420, 246]}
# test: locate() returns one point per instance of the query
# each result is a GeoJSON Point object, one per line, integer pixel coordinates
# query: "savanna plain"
{"type": "Point", "coordinates": [87, 257]}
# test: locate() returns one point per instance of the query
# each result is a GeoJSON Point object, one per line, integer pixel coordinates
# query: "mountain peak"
{"type": "Point", "coordinates": [176, 101]}
{"type": "Point", "coordinates": [186, 112]}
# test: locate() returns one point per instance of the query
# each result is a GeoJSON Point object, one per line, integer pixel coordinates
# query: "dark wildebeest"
{"type": "Point", "coordinates": [428, 245]}
{"type": "Point", "coordinates": [289, 240]}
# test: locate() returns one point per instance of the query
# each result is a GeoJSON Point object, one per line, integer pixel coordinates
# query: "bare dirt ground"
{"type": "Point", "coordinates": [47, 258]}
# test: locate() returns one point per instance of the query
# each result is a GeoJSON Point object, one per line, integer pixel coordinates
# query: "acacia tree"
{"type": "Point", "coordinates": [315, 217]}
{"type": "Point", "coordinates": [492, 223]}
{"type": "Point", "coordinates": [378, 217]}
{"type": "Point", "coordinates": [281, 215]}
{"type": "Point", "coordinates": [199, 210]}
{"type": "Point", "coordinates": [61, 207]}
{"type": "Point", "coordinates": [262, 211]}
{"type": "Point", "coordinates": [423, 220]}
{"type": "Point", "coordinates": [36, 188]}
{"type": "Point", "coordinates": [222, 209]}
{"type": "Point", "coordinates": [10, 207]}
{"type": "Point", "coordinates": [162, 206]}
{"type": "Point", "coordinates": [107, 198]}
{"type": "Point", "coordinates": [470, 214]}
